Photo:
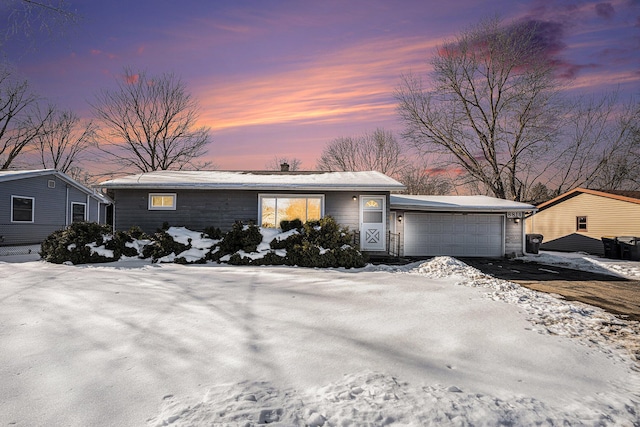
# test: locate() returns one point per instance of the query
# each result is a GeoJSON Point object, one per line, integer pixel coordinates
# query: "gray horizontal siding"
{"type": "Point", "coordinates": [198, 209]}
{"type": "Point", "coordinates": [49, 209]}
{"type": "Point", "coordinates": [50, 213]}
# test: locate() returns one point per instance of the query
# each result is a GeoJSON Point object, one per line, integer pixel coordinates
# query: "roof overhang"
{"type": "Point", "coordinates": [259, 181]}
{"type": "Point", "coordinates": [14, 175]}
{"type": "Point", "coordinates": [466, 204]}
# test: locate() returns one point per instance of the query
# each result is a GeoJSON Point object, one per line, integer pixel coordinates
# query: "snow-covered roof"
{"type": "Point", "coordinates": [257, 180]}
{"type": "Point", "coordinates": [12, 175]}
{"type": "Point", "coordinates": [457, 204]}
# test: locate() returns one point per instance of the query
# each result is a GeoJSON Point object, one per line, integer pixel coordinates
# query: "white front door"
{"type": "Point", "coordinates": [372, 223]}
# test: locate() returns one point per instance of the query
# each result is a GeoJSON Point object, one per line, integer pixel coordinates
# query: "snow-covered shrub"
{"type": "Point", "coordinates": [287, 225]}
{"type": "Point", "coordinates": [162, 245]}
{"type": "Point", "coordinates": [213, 233]}
{"type": "Point", "coordinates": [319, 244]}
{"type": "Point", "coordinates": [240, 238]}
{"type": "Point", "coordinates": [349, 257]}
{"type": "Point", "coordinates": [82, 242]}
{"type": "Point", "coordinates": [136, 233]}
{"type": "Point", "coordinates": [314, 244]}
{"type": "Point", "coordinates": [326, 233]}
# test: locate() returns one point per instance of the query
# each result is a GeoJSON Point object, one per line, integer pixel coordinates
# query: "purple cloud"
{"type": "Point", "coordinates": [605, 10]}
{"type": "Point", "coordinates": [545, 37]}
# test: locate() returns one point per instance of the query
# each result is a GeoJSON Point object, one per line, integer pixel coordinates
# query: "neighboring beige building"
{"type": "Point", "coordinates": [578, 219]}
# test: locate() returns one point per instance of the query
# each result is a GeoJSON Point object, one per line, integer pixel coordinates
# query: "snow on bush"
{"type": "Point", "coordinates": [315, 244]}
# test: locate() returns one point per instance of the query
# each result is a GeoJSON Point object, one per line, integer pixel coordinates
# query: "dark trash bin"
{"type": "Point", "coordinates": [629, 247]}
{"type": "Point", "coordinates": [611, 247]}
{"type": "Point", "coordinates": [533, 242]}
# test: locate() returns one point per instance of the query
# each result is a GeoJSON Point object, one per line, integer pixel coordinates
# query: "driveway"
{"type": "Point", "coordinates": [616, 295]}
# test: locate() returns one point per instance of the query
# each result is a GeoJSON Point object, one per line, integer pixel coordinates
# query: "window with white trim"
{"type": "Point", "coordinates": [22, 208]}
{"type": "Point", "coordinates": [581, 223]}
{"type": "Point", "coordinates": [277, 208]}
{"type": "Point", "coordinates": [78, 212]}
{"type": "Point", "coordinates": [162, 201]}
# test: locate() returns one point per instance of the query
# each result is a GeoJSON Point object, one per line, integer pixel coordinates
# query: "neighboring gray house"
{"type": "Point", "coordinates": [200, 199]}
{"type": "Point", "coordinates": [35, 203]}
{"type": "Point", "coordinates": [471, 226]}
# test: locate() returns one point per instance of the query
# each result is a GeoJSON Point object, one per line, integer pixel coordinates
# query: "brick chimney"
{"type": "Point", "coordinates": [284, 167]}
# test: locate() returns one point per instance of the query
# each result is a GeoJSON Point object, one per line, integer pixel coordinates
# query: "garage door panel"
{"type": "Point", "coordinates": [432, 234]}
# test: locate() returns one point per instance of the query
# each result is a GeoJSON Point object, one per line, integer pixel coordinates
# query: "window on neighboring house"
{"type": "Point", "coordinates": [277, 208]}
{"type": "Point", "coordinates": [162, 201]}
{"type": "Point", "coordinates": [78, 212]}
{"type": "Point", "coordinates": [581, 223]}
{"type": "Point", "coordinates": [22, 208]}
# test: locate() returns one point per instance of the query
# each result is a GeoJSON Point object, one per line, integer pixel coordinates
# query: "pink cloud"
{"type": "Point", "coordinates": [131, 78]}
{"type": "Point", "coordinates": [354, 83]}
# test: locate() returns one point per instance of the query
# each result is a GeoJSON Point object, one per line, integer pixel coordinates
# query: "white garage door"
{"type": "Point", "coordinates": [433, 234]}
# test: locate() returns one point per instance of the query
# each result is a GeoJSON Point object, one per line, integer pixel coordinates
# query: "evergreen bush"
{"type": "Point", "coordinates": [162, 245]}
{"type": "Point", "coordinates": [240, 237]}
{"type": "Point", "coordinates": [70, 244]}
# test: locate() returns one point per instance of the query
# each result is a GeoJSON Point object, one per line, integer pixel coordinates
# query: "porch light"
{"type": "Point", "coordinates": [399, 218]}
{"type": "Point", "coordinates": [516, 220]}
{"type": "Point", "coordinates": [355, 198]}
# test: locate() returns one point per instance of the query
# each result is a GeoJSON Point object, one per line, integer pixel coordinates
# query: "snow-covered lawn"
{"type": "Point", "coordinates": [433, 343]}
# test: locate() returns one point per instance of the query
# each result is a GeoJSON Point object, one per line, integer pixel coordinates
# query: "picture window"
{"type": "Point", "coordinates": [274, 209]}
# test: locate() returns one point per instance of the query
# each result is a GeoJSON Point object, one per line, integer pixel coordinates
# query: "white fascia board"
{"type": "Point", "coordinates": [258, 187]}
{"type": "Point", "coordinates": [461, 209]}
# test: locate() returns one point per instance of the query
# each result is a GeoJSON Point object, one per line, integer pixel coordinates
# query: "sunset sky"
{"type": "Point", "coordinates": [284, 78]}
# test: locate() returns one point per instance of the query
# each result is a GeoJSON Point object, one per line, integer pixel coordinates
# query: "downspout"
{"type": "Point", "coordinates": [66, 208]}
{"type": "Point", "coordinates": [87, 214]}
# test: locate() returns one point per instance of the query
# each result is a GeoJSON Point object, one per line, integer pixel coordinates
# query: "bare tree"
{"type": "Point", "coordinates": [618, 166]}
{"type": "Point", "coordinates": [378, 151]}
{"type": "Point", "coordinates": [419, 180]}
{"type": "Point", "coordinates": [63, 138]}
{"type": "Point", "coordinates": [491, 109]}
{"type": "Point", "coordinates": [276, 163]}
{"type": "Point", "coordinates": [24, 18]}
{"type": "Point", "coordinates": [149, 123]}
{"type": "Point", "coordinates": [600, 149]}
{"type": "Point", "coordinates": [18, 127]}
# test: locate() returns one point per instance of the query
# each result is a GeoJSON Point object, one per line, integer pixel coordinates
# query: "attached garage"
{"type": "Point", "coordinates": [433, 234]}
{"type": "Point", "coordinates": [460, 226]}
